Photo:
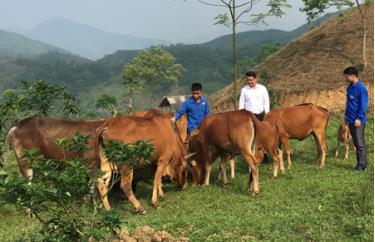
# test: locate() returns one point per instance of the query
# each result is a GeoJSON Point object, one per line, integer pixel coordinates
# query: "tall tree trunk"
{"type": "Point", "coordinates": [234, 57]}
{"type": "Point", "coordinates": [364, 41]}
{"type": "Point", "coordinates": [130, 105]}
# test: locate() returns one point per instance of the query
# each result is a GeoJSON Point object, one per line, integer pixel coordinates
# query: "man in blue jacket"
{"type": "Point", "coordinates": [196, 108]}
{"type": "Point", "coordinates": [355, 114]}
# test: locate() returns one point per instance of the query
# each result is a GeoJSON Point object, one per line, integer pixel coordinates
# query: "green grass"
{"type": "Point", "coordinates": [306, 204]}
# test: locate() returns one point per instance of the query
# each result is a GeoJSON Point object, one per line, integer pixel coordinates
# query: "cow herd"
{"type": "Point", "coordinates": [222, 135]}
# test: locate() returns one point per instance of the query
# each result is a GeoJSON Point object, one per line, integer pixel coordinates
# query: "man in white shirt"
{"type": "Point", "coordinates": [254, 97]}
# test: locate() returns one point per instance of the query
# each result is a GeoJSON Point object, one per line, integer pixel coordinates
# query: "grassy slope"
{"type": "Point", "coordinates": [307, 203]}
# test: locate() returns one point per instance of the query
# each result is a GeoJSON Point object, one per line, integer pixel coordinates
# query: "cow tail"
{"type": "Point", "coordinates": [5, 146]}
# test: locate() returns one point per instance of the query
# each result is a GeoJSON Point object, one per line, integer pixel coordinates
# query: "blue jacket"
{"type": "Point", "coordinates": [356, 103]}
{"type": "Point", "coordinates": [195, 111]}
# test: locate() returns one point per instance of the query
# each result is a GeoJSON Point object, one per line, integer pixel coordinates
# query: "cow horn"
{"type": "Point", "coordinates": [190, 155]}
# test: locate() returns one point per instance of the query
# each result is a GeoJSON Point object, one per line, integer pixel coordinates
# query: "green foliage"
{"type": "Point", "coordinates": [60, 196]}
{"type": "Point", "coordinates": [33, 98]}
{"type": "Point", "coordinates": [132, 155]}
{"type": "Point", "coordinates": [222, 19]}
{"type": "Point", "coordinates": [107, 102]}
{"type": "Point", "coordinates": [314, 8]}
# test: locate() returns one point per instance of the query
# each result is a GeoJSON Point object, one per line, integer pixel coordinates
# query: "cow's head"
{"type": "Point", "coordinates": [194, 157]}
{"type": "Point", "coordinates": [177, 172]}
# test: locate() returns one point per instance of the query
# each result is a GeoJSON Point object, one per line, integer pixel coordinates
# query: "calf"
{"type": "Point", "coordinates": [224, 135]}
{"type": "Point", "coordinates": [343, 136]}
{"type": "Point", "coordinates": [267, 140]}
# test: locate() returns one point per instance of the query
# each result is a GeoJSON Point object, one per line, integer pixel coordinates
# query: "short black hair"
{"type": "Point", "coordinates": [251, 73]}
{"type": "Point", "coordinates": [196, 86]}
{"type": "Point", "coordinates": [351, 70]}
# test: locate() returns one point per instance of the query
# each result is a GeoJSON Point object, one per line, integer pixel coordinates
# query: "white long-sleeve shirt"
{"type": "Point", "coordinates": [255, 100]}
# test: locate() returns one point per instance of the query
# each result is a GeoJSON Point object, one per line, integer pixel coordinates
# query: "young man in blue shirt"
{"type": "Point", "coordinates": [355, 114]}
{"type": "Point", "coordinates": [196, 108]}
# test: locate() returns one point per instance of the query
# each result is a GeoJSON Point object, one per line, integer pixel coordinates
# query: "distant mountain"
{"type": "Point", "coordinates": [13, 45]}
{"type": "Point", "coordinates": [85, 40]}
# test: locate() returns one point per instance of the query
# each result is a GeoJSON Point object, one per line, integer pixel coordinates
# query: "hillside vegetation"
{"type": "Point", "coordinates": [309, 69]}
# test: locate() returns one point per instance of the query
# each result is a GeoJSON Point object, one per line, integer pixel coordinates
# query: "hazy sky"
{"type": "Point", "coordinates": [176, 21]}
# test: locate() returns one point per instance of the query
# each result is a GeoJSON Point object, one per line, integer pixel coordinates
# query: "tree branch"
{"type": "Point", "coordinates": [212, 4]}
{"type": "Point", "coordinates": [253, 2]}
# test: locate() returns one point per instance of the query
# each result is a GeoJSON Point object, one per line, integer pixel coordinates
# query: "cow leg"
{"type": "Point", "coordinates": [223, 165]}
{"type": "Point", "coordinates": [231, 164]}
{"type": "Point", "coordinates": [253, 168]}
{"type": "Point", "coordinates": [157, 181]}
{"type": "Point", "coordinates": [126, 174]}
{"type": "Point", "coordinates": [346, 149]}
{"type": "Point", "coordinates": [280, 157]}
{"type": "Point", "coordinates": [102, 182]}
{"type": "Point", "coordinates": [23, 165]}
{"type": "Point", "coordinates": [285, 142]}
{"type": "Point", "coordinates": [318, 149]}
{"type": "Point", "coordinates": [160, 190]}
{"type": "Point", "coordinates": [275, 158]}
{"type": "Point", "coordinates": [208, 172]}
{"type": "Point", "coordinates": [337, 148]}
{"type": "Point", "coordinates": [322, 146]}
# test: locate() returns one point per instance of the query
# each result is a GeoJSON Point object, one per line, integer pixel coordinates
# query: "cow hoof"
{"type": "Point", "coordinates": [141, 211]}
{"type": "Point", "coordinates": [225, 185]}
{"type": "Point", "coordinates": [274, 177]}
{"type": "Point", "coordinates": [156, 205]}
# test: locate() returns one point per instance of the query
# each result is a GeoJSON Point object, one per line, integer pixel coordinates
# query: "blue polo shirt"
{"type": "Point", "coordinates": [356, 103]}
{"type": "Point", "coordinates": [195, 111]}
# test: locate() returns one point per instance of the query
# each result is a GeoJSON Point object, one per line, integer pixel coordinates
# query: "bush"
{"type": "Point", "coordinates": [60, 196]}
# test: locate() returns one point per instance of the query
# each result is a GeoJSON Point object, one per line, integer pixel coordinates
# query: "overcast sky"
{"type": "Point", "coordinates": [176, 21]}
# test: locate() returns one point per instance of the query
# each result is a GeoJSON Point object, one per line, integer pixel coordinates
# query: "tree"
{"type": "Point", "coordinates": [313, 8]}
{"type": "Point", "coordinates": [107, 102]}
{"type": "Point", "coordinates": [33, 98]}
{"type": "Point", "coordinates": [237, 11]}
{"type": "Point", "coordinates": [132, 87]}
{"type": "Point", "coordinates": [154, 66]}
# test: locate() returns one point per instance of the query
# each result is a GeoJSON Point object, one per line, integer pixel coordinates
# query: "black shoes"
{"type": "Point", "coordinates": [360, 168]}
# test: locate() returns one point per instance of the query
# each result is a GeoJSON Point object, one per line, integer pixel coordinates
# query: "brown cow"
{"type": "Point", "coordinates": [225, 135]}
{"type": "Point", "coordinates": [168, 156]}
{"type": "Point", "coordinates": [343, 136]}
{"type": "Point", "coordinates": [298, 122]}
{"type": "Point", "coordinates": [267, 140]}
{"type": "Point", "coordinates": [42, 132]}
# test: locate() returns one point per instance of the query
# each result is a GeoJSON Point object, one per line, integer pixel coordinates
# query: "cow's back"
{"type": "Point", "coordinates": [155, 129]}
{"type": "Point", "coordinates": [298, 121]}
{"type": "Point", "coordinates": [42, 132]}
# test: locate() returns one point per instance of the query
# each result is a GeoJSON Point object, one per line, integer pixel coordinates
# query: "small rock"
{"type": "Point", "coordinates": [124, 234]}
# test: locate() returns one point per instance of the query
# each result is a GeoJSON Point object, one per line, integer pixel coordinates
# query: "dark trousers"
{"type": "Point", "coordinates": [358, 135]}
{"type": "Point", "coordinates": [260, 116]}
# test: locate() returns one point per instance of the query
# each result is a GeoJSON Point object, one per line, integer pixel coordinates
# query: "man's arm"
{"type": "Point", "coordinates": [266, 101]}
{"type": "Point", "coordinates": [181, 111]}
{"type": "Point", "coordinates": [241, 104]}
{"type": "Point", "coordinates": [363, 98]}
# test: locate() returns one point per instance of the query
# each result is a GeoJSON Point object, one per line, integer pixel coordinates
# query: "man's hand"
{"type": "Point", "coordinates": [357, 123]}
{"type": "Point", "coordinates": [173, 119]}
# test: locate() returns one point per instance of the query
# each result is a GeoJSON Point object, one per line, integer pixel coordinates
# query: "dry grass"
{"type": "Point", "coordinates": [309, 69]}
